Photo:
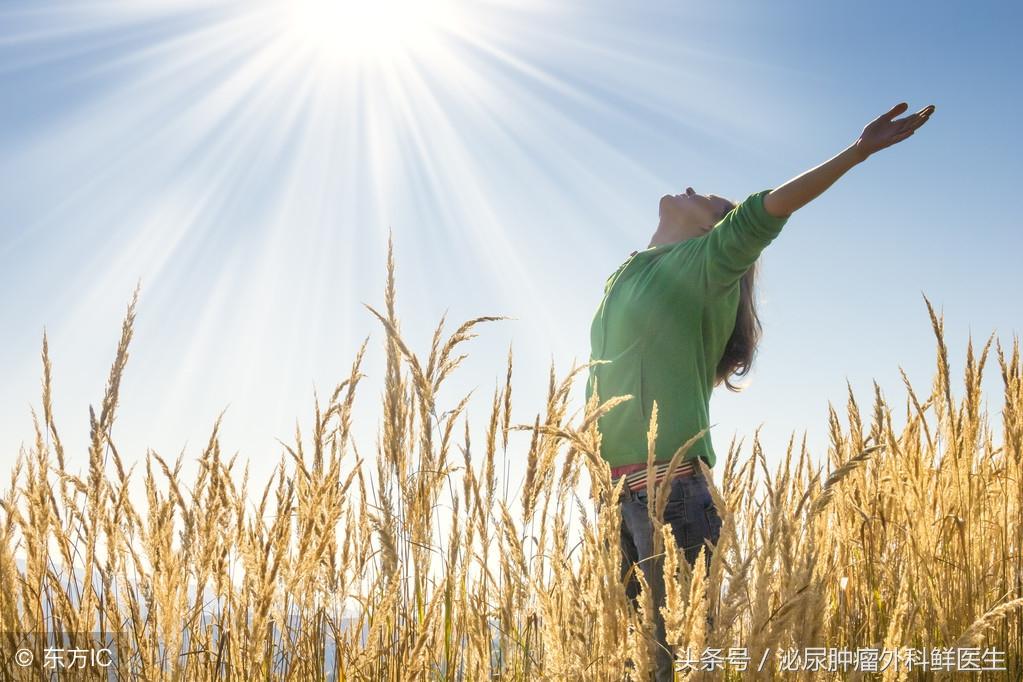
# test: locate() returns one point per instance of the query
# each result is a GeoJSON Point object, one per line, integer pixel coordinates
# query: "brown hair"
{"type": "Point", "coordinates": [742, 344]}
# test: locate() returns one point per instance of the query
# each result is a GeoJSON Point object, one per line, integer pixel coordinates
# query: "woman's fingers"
{"type": "Point", "coordinates": [922, 115]}
{"type": "Point", "coordinates": [887, 130]}
{"type": "Point", "coordinates": [914, 121]}
{"type": "Point", "coordinates": [918, 120]}
{"type": "Point", "coordinates": [894, 111]}
{"type": "Point", "coordinates": [910, 123]}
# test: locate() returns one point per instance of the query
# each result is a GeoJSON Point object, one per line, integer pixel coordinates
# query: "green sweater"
{"type": "Point", "coordinates": [664, 321]}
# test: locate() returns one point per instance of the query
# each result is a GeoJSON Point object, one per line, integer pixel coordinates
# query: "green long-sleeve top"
{"type": "Point", "coordinates": [664, 321]}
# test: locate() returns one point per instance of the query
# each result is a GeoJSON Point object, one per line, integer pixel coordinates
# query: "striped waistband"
{"type": "Point", "coordinates": [636, 475]}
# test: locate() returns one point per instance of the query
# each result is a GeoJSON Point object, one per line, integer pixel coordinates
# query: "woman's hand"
{"type": "Point", "coordinates": [880, 133]}
{"type": "Point", "coordinates": [883, 131]}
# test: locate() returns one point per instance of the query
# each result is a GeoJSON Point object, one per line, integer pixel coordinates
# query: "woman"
{"type": "Point", "coordinates": [678, 319]}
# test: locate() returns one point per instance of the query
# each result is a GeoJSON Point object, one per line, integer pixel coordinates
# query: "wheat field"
{"type": "Point", "coordinates": [408, 564]}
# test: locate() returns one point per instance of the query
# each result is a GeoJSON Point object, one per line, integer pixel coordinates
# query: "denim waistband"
{"type": "Point", "coordinates": [636, 479]}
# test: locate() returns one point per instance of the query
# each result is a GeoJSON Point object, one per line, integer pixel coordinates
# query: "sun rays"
{"type": "Point", "coordinates": [287, 138]}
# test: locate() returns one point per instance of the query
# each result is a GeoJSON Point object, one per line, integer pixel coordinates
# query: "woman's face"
{"type": "Point", "coordinates": [693, 214]}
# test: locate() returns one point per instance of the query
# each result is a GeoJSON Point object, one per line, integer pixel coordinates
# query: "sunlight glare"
{"type": "Point", "coordinates": [354, 30]}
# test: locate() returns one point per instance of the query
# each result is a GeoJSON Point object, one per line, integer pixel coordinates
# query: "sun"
{"type": "Point", "coordinates": [348, 31]}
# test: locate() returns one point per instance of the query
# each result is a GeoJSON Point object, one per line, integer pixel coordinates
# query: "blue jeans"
{"type": "Point", "coordinates": [692, 516]}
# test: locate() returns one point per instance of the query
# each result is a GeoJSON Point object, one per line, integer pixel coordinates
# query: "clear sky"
{"type": "Point", "coordinates": [248, 171]}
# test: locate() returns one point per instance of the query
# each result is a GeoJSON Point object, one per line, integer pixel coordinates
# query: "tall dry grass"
{"type": "Point", "coordinates": [411, 566]}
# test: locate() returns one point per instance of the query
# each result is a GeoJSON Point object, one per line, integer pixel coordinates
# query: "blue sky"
{"type": "Point", "coordinates": [518, 153]}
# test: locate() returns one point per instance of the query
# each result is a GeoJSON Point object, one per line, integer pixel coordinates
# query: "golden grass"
{"type": "Point", "coordinates": [420, 570]}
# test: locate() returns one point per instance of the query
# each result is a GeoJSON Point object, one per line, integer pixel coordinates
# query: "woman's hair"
{"type": "Point", "coordinates": [742, 344]}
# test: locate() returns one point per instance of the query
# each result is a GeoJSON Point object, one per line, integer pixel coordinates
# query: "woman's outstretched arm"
{"type": "Point", "coordinates": [882, 132]}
